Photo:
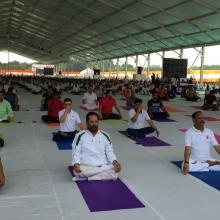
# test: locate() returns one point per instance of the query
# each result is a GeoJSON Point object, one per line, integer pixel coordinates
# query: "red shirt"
{"type": "Point", "coordinates": [58, 107]}
{"type": "Point", "coordinates": [107, 105]}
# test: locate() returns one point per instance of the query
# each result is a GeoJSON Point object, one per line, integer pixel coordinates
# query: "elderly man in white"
{"type": "Point", "coordinates": [198, 141]}
{"type": "Point", "coordinates": [93, 157]}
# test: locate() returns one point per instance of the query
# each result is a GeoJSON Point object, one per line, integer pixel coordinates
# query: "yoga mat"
{"type": "Point", "coordinates": [108, 195]}
{"type": "Point", "coordinates": [172, 109]}
{"type": "Point", "coordinates": [164, 120]}
{"type": "Point", "coordinates": [147, 141]}
{"type": "Point", "coordinates": [114, 121]}
{"type": "Point", "coordinates": [64, 145]}
{"type": "Point", "coordinates": [207, 118]}
{"type": "Point", "coordinates": [92, 110]}
{"type": "Point", "coordinates": [212, 178]}
{"type": "Point", "coordinates": [216, 135]}
{"type": "Point", "coordinates": [53, 124]}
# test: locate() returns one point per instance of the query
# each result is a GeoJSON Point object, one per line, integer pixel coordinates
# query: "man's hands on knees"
{"type": "Point", "coordinates": [117, 166]}
{"type": "Point", "coordinates": [185, 168]}
{"type": "Point", "coordinates": [213, 163]}
{"type": "Point", "coordinates": [76, 168]}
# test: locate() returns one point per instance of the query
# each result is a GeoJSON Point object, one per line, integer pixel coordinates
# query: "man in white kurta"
{"type": "Point", "coordinates": [90, 100]}
{"type": "Point", "coordinates": [93, 157]}
{"type": "Point", "coordinates": [198, 141]}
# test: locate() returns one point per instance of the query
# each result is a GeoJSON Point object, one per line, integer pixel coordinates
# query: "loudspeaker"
{"type": "Point", "coordinates": [174, 68]}
{"type": "Point", "coordinates": [96, 72]}
{"type": "Point", "coordinates": [139, 69]}
{"type": "Point", "coordinates": [60, 73]}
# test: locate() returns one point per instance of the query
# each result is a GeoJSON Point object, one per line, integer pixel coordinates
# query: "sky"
{"type": "Point", "coordinates": [14, 57]}
{"type": "Point", "coordinates": [211, 57]}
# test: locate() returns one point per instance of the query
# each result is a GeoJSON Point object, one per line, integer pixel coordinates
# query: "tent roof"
{"type": "Point", "coordinates": [53, 31]}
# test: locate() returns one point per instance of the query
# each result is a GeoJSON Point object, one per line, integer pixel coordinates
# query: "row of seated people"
{"type": "Point", "coordinates": [92, 153]}
{"type": "Point", "coordinates": [93, 157]}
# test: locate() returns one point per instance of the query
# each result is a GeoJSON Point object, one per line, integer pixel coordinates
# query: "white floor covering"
{"type": "Point", "coordinates": [38, 184]}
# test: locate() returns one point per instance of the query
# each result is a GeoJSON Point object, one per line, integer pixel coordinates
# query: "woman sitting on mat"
{"type": "Point", "coordinates": [191, 94]}
{"type": "Point", "coordinates": [210, 102]}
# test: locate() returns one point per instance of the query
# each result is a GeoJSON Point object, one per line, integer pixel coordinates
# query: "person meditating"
{"type": "Point", "coordinates": [198, 141]}
{"type": "Point", "coordinates": [156, 109]}
{"type": "Point", "coordinates": [54, 105]}
{"type": "Point", "coordinates": [105, 107]}
{"type": "Point", "coordinates": [136, 123]}
{"type": "Point", "coordinates": [6, 112]}
{"type": "Point", "coordinates": [93, 157]}
{"type": "Point", "coordinates": [68, 119]}
{"type": "Point", "coordinates": [210, 102]}
{"type": "Point", "coordinates": [191, 95]}
{"type": "Point", "coordinates": [89, 101]}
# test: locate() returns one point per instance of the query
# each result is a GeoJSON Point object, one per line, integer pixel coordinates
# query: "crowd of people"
{"type": "Point", "coordinates": [93, 156]}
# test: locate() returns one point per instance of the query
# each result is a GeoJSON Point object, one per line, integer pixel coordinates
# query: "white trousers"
{"type": "Point", "coordinates": [89, 106]}
{"type": "Point", "coordinates": [105, 172]}
{"type": "Point", "coordinates": [196, 166]}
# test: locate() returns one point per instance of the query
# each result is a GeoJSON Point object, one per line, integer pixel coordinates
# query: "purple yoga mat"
{"type": "Point", "coordinates": [164, 120]}
{"type": "Point", "coordinates": [147, 141]}
{"type": "Point", "coordinates": [107, 195]}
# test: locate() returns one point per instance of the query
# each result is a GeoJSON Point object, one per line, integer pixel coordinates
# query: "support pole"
{"type": "Point", "coordinates": [148, 66]}
{"type": "Point", "coordinates": [136, 61]}
{"type": "Point", "coordinates": [181, 53]}
{"type": "Point", "coordinates": [126, 66]}
{"type": "Point", "coordinates": [117, 66]}
{"type": "Point", "coordinates": [202, 63]}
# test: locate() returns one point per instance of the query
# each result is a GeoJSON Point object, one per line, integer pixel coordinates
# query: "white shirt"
{"type": "Point", "coordinates": [92, 150]}
{"type": "Point", "coordinates": [72, 119]}
{"type": "Point", "coordinates": [140, 122]}
{"type": "Point", "coordinates": [90, 99]}
{"type": "Point", "coordinates": [200, 143]}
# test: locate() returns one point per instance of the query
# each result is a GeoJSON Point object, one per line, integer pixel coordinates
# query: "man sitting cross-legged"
{"type": "Point", "coordinates": [106, 105]}
{"type": "Point", "coordinates": [198, 141]}
{"type": "Point", "coordinates": [90, 100]}
{"type": "Point", "coordinates": [137, 118]}
{"type": "Point", "coordinates": [68, 119]}
{"type": "Point", "coordinates": [156, 109]}
{"type": "Point", "coordinates": [6, 112]}
{"type": "Point", "coordinates": [54, 105]}
{"type": "Point", "coordinates": [92, 153]}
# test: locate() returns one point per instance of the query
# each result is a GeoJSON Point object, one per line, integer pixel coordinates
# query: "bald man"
{"type": "Point", "coordinates": [198, 141]}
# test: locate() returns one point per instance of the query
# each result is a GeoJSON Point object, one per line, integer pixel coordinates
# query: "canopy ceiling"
{"type": "Point", "coordinates": [54, 30]}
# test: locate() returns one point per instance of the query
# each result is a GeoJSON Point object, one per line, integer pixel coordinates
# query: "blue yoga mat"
{"type": "Point", "coordinates": [64, 145]}
{"type": "Point", "coordinates": [212, 178]}
{"type": "Point", "coordinates": [108, 195]}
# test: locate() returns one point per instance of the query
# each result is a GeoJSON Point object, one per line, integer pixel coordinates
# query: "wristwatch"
{"type": "Point", "coordinates": [187, 162]}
